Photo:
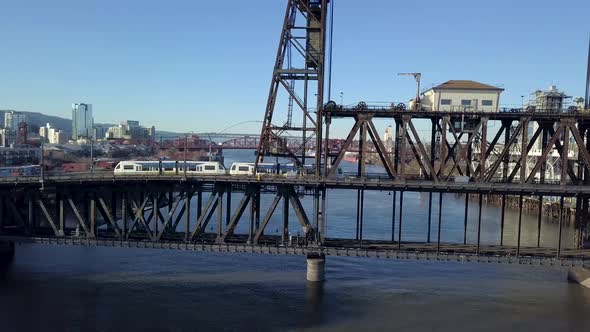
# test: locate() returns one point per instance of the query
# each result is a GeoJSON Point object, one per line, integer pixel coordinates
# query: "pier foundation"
{"type": "Point", "coordinates": [580, 276]}
{"type": "Point", "coordinates": [6, 253]}
{"type": "Point", "coordinates": [316, 267]}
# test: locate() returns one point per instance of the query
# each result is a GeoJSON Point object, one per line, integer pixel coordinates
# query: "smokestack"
{"type": "Point", "coordinates": [586, 101]}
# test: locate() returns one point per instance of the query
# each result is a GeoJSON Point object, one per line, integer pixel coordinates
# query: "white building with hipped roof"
{"type": "Point", "coordinates": [461, 96]}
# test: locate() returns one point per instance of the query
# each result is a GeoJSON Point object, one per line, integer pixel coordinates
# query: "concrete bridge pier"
{"type": "Point", "coordinates": [316, 267]}
{"type": "Point", "coordinates": [6, 253]}
{"type": "Point", "coordinates": [579, 275]}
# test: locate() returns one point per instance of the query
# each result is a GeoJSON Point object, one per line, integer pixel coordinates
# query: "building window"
{"type": "Point", "coordinates": [487, 103]}
{"type": "Point", "coordinates": [445, 102]}
{"type": "Point", "coordinates": [465, 102]}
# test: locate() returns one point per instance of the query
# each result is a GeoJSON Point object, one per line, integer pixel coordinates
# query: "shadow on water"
{"type": "Point", "coordinates": [113, 289]}
{"type": "Point", "coordinates": [314, 297]}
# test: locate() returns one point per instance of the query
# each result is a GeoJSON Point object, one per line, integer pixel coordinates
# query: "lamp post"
{"type": "Point", "coordinates": [185, 149]}
{"type": "Point", "coordinates": [91, 155]}
{"type": "Point", "coordinates": [41, 161]}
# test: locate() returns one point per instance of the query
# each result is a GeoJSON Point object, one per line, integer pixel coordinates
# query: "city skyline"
{"type": "Point", "coordinates": [149, 69]}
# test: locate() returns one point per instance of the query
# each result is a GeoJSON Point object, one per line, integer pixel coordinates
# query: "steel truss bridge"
{"type": "Point", "coordinates": [224, 141]}
{"type": "Point", "coordinates": [158, 211]}
{"type": "Point", "coordinates": [104, 210]}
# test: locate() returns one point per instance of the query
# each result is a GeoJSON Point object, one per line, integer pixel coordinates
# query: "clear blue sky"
{"type": "Point", "coordinates": [204, 65]}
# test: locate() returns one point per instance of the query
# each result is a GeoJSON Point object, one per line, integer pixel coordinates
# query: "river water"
{"type": "Point", "coordinates": [53, 288]}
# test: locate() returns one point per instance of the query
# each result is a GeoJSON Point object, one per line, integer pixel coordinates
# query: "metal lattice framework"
{"type": "Point", "coordinates": [197, 213]}
{"type": "Point", "coordinates": [299, 71]}
{"type": "Point", "coordinates": [461, 149]}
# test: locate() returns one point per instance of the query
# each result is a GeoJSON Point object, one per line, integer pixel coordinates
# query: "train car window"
{"type": "Point", "coordinates": [487, 103]}
{"type": "Point", "coordinates": [233, 168]}
{"type": "Point", "coordinates": [128, 167]}
{"type": "Point", "coordinates": [465, 102]}
{"type": "Point", "coordinates": [244, 169]}
{"type": "Point", "coordinates": [118, 167]}
{"type": "Point", "coordinates": [445, 102]}
{"type": "Point", "coordinates": [209, 167]}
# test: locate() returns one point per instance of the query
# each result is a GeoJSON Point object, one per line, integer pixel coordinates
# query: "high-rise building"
{"type": "Point", "coordinates": [52, 135]}
{"type": "Point", "coordinates": [12, 119]}
{"type": "Point", "coordinates": [131, 129]}
{"type": "Point", "coordinates": [388, 138]}
{"type": "Point", "coordinates": [82, 121]}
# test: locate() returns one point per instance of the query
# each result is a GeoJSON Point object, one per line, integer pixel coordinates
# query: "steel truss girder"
{"type": "Point", "coordinates": [447, 151]}
{"type": "Point", "coordinates": [288, 195]}
{"type": "Point", "coordinates": [463, 149]}
{"type": "Point", "coordinates": [312, 54]}
{"type": "Point", "coordinates": [364, 125]}
{"type": "Point", "coordinates": [490, 156]}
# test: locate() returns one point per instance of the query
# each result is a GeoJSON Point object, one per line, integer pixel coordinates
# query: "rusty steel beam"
{"type": "Point", "coordinates": [362, 147]}
{"type": "Point", "coordinates": [565, 165]}
{"type": "Point", "coordinates": [203, 220]}
{"type": "Point", "coordinates": [490, 149]}
{"type": "Point", "coordinates": [505, 152]}
{"type": "Point", "coordinates": [48, 217]}
{"type": "Point", "coordinates": [483, 149]}
{"type": "Point", "coordinates": [563, 150]}
{"type": "Point", "coordinates": [543, 159]}
{"type": "Point", "coordinates": [17, 217]}
{"type": "Point", "coordinates": [462, 152]}
{"type": "Point", "coordinates": [107, 216]}
{"type": "Point", "coordinates": [402, 148]}
{"type": "Point", "coordinates": [138, 216]}
{"type": "Point", "coordinates": [78, 216]}
{"type": "Point", "coordinates": [582, 151]}
{"type": "Point", "coordinates": [311, 49]}
{"type": "Point", "coordinates": [168, 219]}
{"type": "Point", "coordinates": [423, 153]}
{"type": "Point", "coordinates": [269, 214]}
{"type": "Point", "coordinates": [236, 216]}
{"type": "Point", "coordinates": [378, 143]}
{"type": "Point", "coordinates": [299, 211]}
{"type": "Point", "coordinates": [522, 158]}
{"type": "Point", "coordinates": [417, 155]}
{"type": "Point", "coordinates": [347, 143]}
{"type": "Point", "coordinates": [449, 150]}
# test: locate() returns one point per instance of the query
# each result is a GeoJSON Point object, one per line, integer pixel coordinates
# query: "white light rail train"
{"type": "Point", "coordinates": [171, 167]}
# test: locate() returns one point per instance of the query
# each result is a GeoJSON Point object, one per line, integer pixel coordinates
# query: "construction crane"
{"type": "Point", "coordinates": [417, 77]}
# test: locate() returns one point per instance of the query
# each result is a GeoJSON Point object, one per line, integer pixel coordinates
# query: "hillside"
{"type": "Point", "coordinates": [36, 120]}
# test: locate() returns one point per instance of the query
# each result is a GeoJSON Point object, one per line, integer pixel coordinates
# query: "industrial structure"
{"type": "Point", "coordinates": [460, 155]}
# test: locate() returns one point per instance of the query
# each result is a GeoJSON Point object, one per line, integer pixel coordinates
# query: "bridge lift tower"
{"type": "Point", "coordinates": [298, 75]}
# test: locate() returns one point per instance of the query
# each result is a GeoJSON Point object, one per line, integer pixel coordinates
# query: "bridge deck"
{"type": "Point", "coordinates": [349, 248]}
{"type": "Point", "coordinates": [385, 112]}
{"type": "Point", "coordinates": [366, 183]}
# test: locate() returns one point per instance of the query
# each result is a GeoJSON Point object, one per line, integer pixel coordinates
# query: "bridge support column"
{"type": "Point", "coordinates": [6, 253]}
{"type": "Point", "coordinates": [316, 267]}
{"type": "Point", "coordinates": [579, 275]}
